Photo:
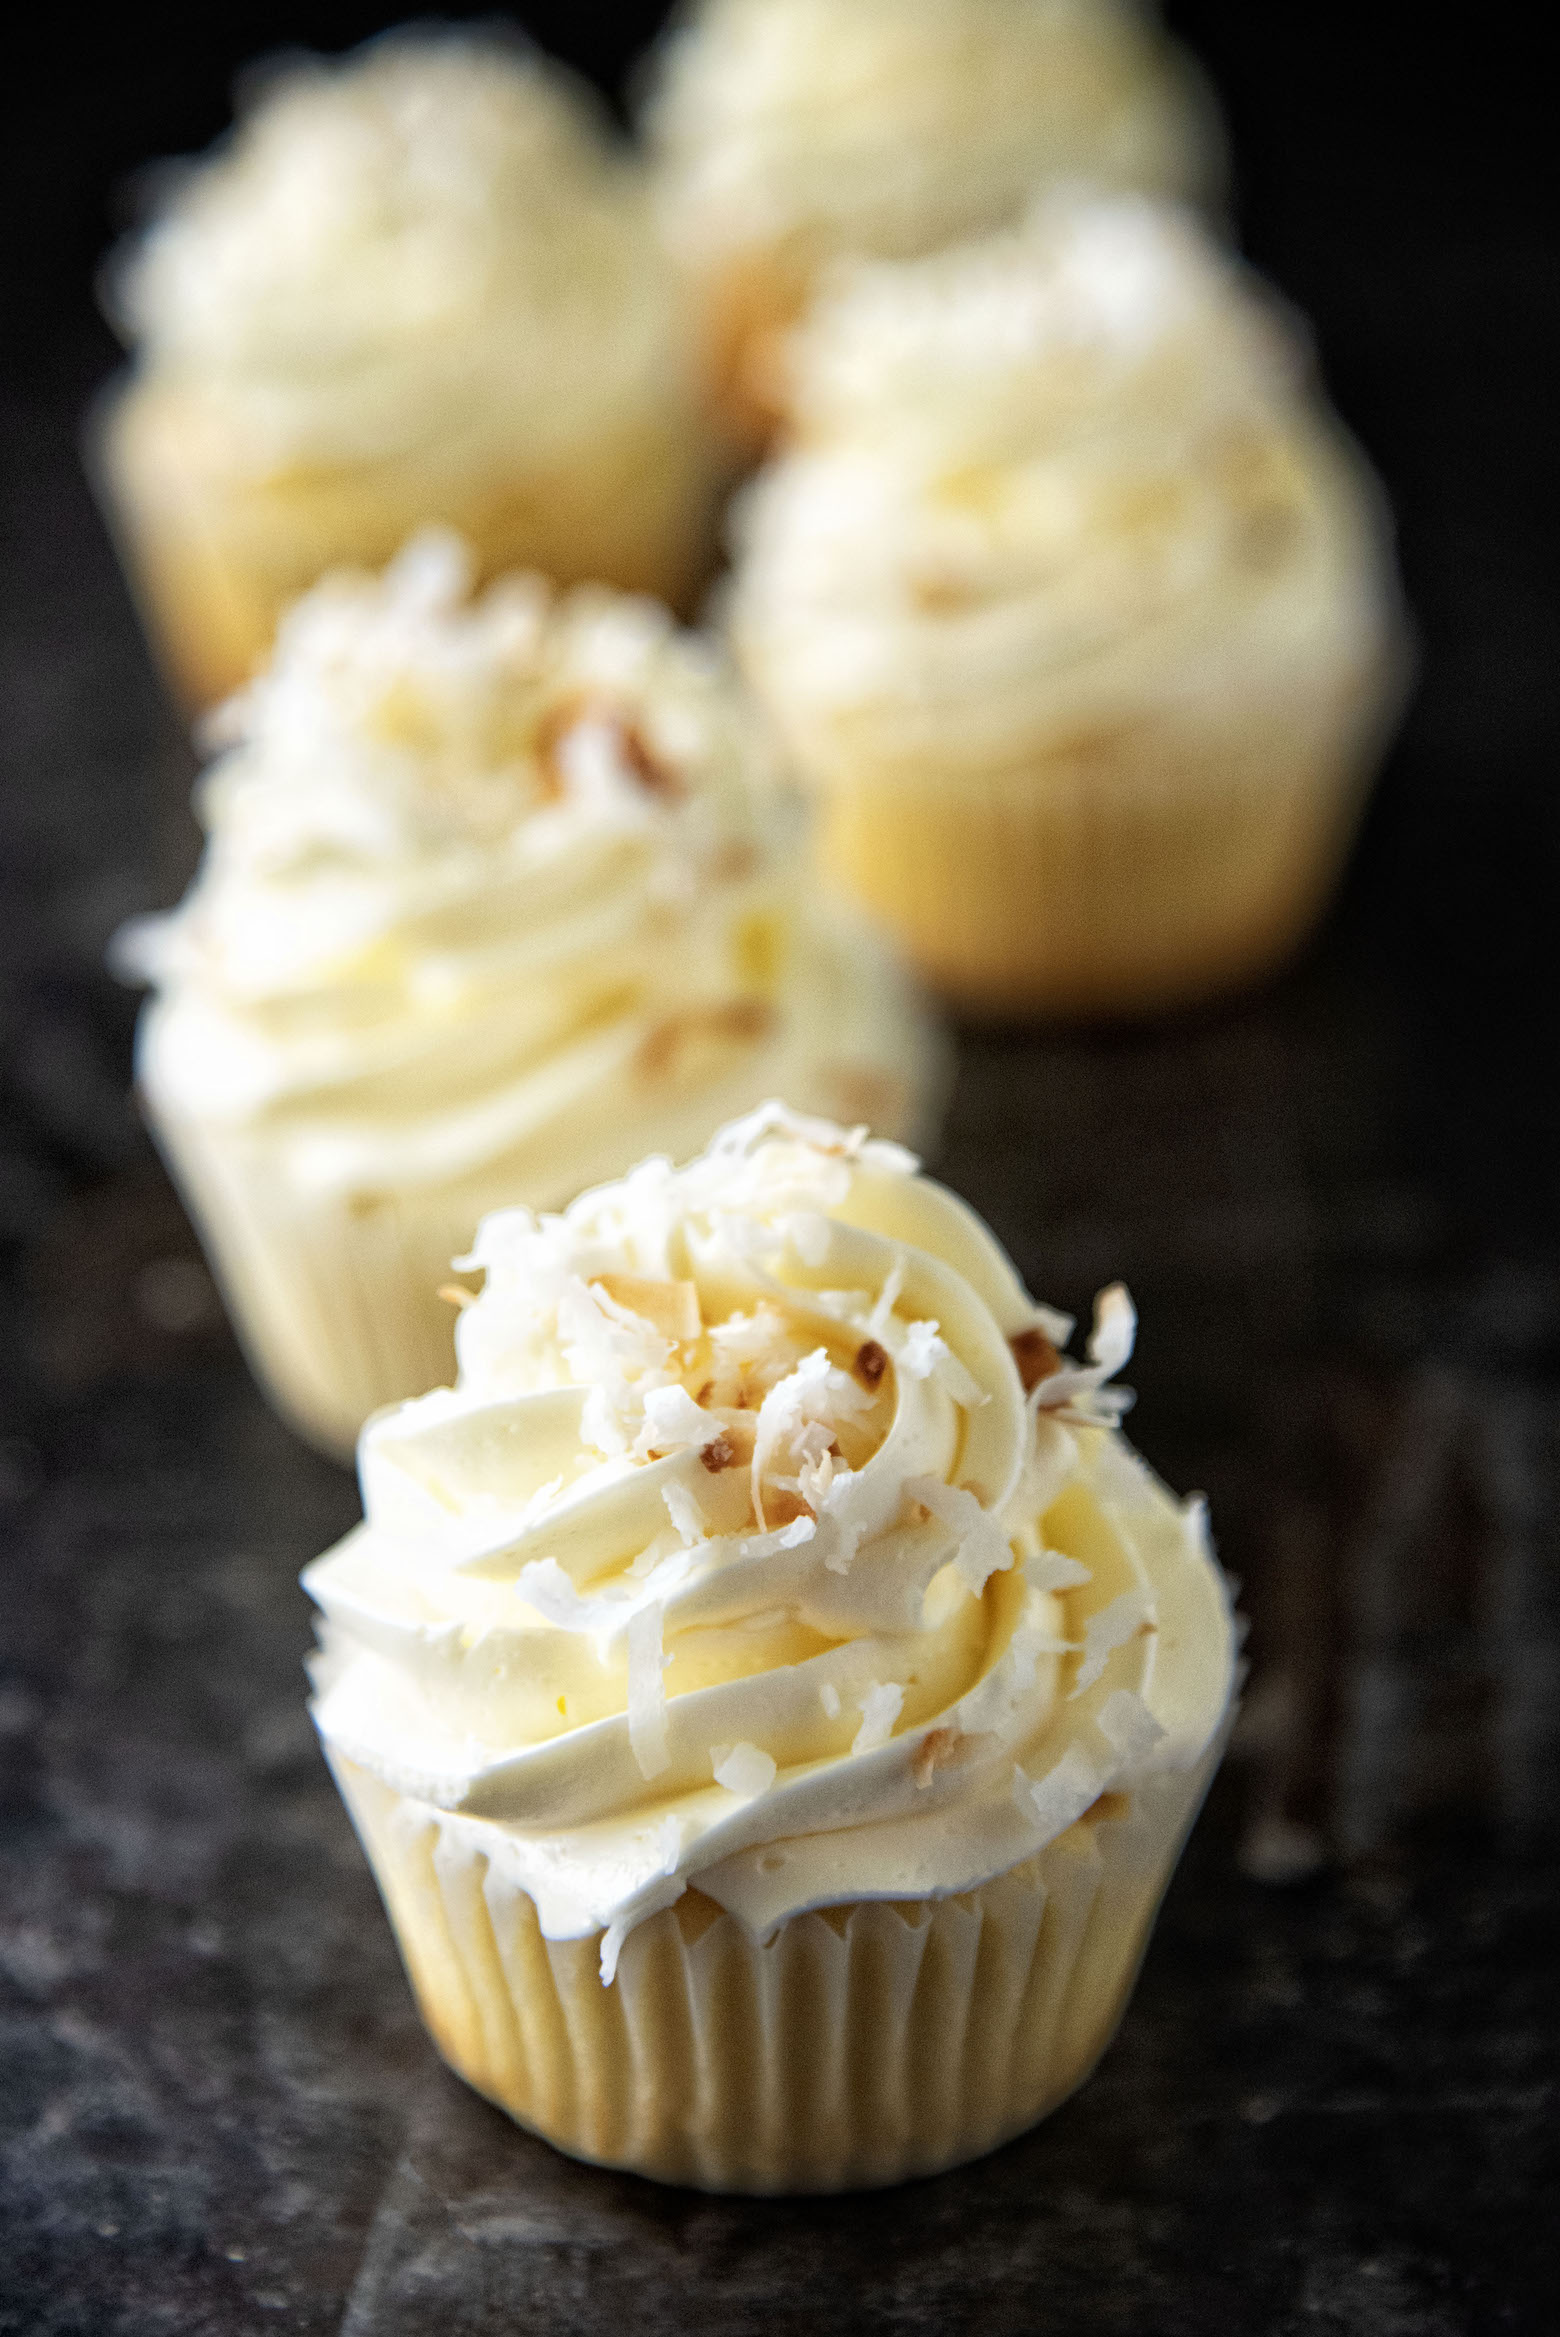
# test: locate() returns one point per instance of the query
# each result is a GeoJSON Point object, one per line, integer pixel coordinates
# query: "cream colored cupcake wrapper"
{"type": "Point", "coordinates": [1138, 869]}
{"type": "Point", "coordinates": [335, 1301]}
{"type": "Point", "coordinates": [860, 2045]}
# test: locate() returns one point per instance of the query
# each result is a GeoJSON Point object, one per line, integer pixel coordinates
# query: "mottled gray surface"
{"type": "Point", "coordinates": [1333, 2106]}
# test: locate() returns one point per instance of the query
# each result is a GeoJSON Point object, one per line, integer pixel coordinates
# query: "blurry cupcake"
{"type": "Point", "coordinates": [787, 132]}
{"type": "Point", "coordinates": [419, 284]}
{"type": "Point", "coordinates": [1077, 608]}
{"type": "Point", "coordinates": [771, 1693]}
{"type": "Point", "coordinates": [496, 898]}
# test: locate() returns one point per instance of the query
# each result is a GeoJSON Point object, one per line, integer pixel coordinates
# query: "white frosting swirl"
{"type": "Point", "coordinates": [1048, 480]}
{"type": "Point", "coordinates": [739, 1553]}
{"type": "Point", "coordinates": [892, 126]}
{"type": "Point", "coordinates": [432, 245]}
{"type": "Point", "coordinates": [504, 881]}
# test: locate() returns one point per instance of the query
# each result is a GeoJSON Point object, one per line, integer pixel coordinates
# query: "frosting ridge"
{"type": "Point", "coordinates": [1057, 475]}
{"type": "Point", "coordinates": [767, 1541]}
{"type": "Point", "coordinates": [435, 243]}
{"type": "Point", "coordinates": [893, 126]}
{"type": "Point", "coordinates": [505, 879]}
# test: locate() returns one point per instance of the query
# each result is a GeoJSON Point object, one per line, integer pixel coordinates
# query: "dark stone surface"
{"type": "Point", "coordinates": [1335, 2102]}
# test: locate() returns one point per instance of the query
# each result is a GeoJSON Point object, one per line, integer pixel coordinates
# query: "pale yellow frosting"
{"type": "Point", "coordinates": [893, 126]}
{"type": "Point", "coordinates": [1065, 476]}
{"type": "Point", "coordinates": [434, 244]}
{"type": "Point", "coordinates": [503, 881]}
{"type": "Point", "coordinates": [765, 1542]}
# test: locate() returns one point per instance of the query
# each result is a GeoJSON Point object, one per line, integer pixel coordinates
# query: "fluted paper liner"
{"type": "Point", "coordinates": [1128, 872]}
{"type": "Point", "coordinates": [859, 2045]}
{"type": "Point", "coordinates": [334, 1299]}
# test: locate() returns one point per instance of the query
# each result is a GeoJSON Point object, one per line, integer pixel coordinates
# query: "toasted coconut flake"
{"type": "Point", "coordinates": [871, 1363]}
{"type": "Point", "coordinates": [984, 1548]}
{"type": "Point", "coordinates": [1111, 1628]}
{"type": "Point", "coordinates": [1077, 1391]}
{"type": "Point", "coordinates": [745, 1770]}
{"type": "Point", "coordinates": [673, 1307]}
{"type": "Point", "coordinates": [656, 776]}
{"type": "Point", "coordinates": [1051, 1571]}
{"type": "Point", "coordinates": [927, 1355]}
{"type": "Point", "coordinates": [797, 1424]}
{"type": "Point", "coordinates": [720, 1453]}
{"type": "Point", "coordinates": [1128, 1724]}
{"type": "Point", "coordinates": [673, 1422]}
{"type": "Point", "coordinates": [934, 1750]}
{"type": "Point", "coordinates": [588, 748]}
{"type": "Point", "coordinates": [682, 1507]}
{"type": "Point", "coordinates": [1035, 1356]}
{"type": "Point", "coordinates": [1060, 1798]}
{"type": "Point", "coordinates": [888, 1297]}
{"type": "Point", "coordinates": [1115, 1330]}
{"type": "Point", "coordinates": [880, 1708]}
{"type": "Point", "coordinates": [839, 1541]}
{"type": "Point", "coordinates": [647, 1693]}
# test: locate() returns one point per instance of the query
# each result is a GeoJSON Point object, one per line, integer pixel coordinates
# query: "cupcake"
{"type": "Point", "coordinates": [420, 284]}
{"type": "Point", "coordinates": [770, 1692]}
{"type": "Point", "coordinates": [788, 132]}
{"type": "Point", "coordinates": [1077, 609]}
{"type": "Point", "coordinates": [497, 896]}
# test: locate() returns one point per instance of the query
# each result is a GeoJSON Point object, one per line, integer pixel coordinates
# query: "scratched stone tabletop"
{"type": "Point", "coordinates": [1334, 2105]}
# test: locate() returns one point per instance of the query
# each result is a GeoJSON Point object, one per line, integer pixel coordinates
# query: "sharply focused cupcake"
{"type": "Point", "coordinates": [1077, 608]}
{"type": "Point", "coordinates": [770, 1691]}
{"type": "Point", "coordinates": [788, 132]}
{"type": "Point", "coordinates": [419, 284]}
{"type": "Point", "coordinates": [496, 897]}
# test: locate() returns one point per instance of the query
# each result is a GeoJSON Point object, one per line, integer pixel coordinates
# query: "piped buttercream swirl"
{"type": "Point", "coordinates": [893, 126]}
{"type": "Point", "coordinates": [503, 881]}
{"type": "Point", "coordinates": [766, 1541]}
{"type": "Point", "coordinates": [435, 243]}
{"type": "Point", "coordinates": [1067, 477]}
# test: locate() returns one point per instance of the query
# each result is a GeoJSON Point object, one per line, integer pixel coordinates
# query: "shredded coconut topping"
{"type": "Point", "coordinates": [647, 1693]}
{"type": "Point", "coordinates": [636, 1668]}
{"type": "Point", "coordinates": [880, 1708]}
{"type": "Point", "coordinates": [744, 1770]}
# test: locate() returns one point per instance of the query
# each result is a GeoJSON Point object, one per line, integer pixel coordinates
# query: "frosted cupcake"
{"type": "Point", "coordinates": [1077, 608]}
{"type": "Point", "coordinates": [788, 132]}
{"type": "Point", "coordinates": [420, 284]}
{"type": "Point", "coordinates": [770, 1691]}
{"type": "Point", "coordinates": [496, 898]}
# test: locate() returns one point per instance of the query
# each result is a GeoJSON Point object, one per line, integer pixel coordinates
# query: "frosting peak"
{"type": "Point", "coordinates": [385, 235]}
{"type": "Point", "coordinates": [895, 125]}
{"type": "Point", "coordinates": [490, 882]}
{"type": "Point", "coordinates": [1056, 475]}
{"type": "Point", "coordinates": [1040, 332]}
{"type": "Point", "coordinates": [765, 1541]}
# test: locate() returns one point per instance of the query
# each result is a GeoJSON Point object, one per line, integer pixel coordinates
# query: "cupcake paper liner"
{"type": "Point", "coordinates": [335, 1300]}
{"type": "Point", "coordinates": [859, 2045]}
{"type": "Point", "coordinates": [1137, 871]}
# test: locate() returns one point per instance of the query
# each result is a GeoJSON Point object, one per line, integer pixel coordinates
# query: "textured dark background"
{"type": "Point", "coordinates": [1334, 2105]}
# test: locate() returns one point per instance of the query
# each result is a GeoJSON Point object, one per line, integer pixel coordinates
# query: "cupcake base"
{"type": "Point", "coordinates": [334, 1299]}
{"type": "Point", "coordinates": [1124, 874]}
{"type": "Point", "coordinates": [860, 2045]}
{"type": "Point", "coordinates": [215, 553]}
